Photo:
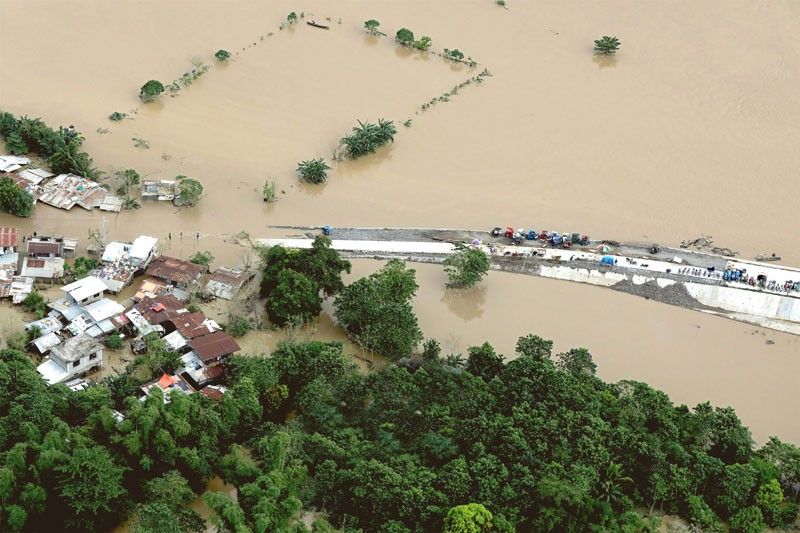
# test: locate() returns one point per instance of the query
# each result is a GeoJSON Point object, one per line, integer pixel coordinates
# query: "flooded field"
{"type": "Point", "coordinates": [691, 129]}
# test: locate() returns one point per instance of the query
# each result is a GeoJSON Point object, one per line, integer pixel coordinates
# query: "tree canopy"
{"type": "Point", "coordinates": [529, 445]}
{"type": "Point", "coordinates": [14, 200]}
{"type": "Point", "coordinates": [466, 267]}
{"type": "Point", "coordinates": [376, 311]}
{"type": "Point", "coordinates": [151, 90]}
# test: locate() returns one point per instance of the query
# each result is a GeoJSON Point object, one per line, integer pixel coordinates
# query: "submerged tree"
{"type": "Point", "coordinates": [222, 54]}
{"type": "Point", "coordinates": [151, 90]}
{"type": "Point", "coordinates": [466, 267]}
{"type": "Point", "coordinates": [189, 191]}
{"type": "Point", "coordinates": [313, 170]}
{"type": "Point", "coordinates": [606, 45]}
{"type": "Point", "coordinates": [405, 37]}
{"type": "Point", "coordinates": [372, 27]}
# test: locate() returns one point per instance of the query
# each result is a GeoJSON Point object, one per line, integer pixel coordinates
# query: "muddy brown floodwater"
{"type": "Point", "coordinates": [690, 129]}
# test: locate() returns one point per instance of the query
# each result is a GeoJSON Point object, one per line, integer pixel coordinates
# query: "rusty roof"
{"type": "Point", "coordinates": [36, 248]}
{"type": "Point", "coordinates": [9, 237]}
{"type": "Point", "coordinates": [173, 269]}
{"type": "Point", "coordinates": [159, 309]}
{"type": "Point", "coordinates": [190, 325]}
{"type": "Point", "coordinates": [213, 345]}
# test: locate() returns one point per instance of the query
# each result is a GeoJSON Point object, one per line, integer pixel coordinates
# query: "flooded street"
{"type": "Point", "coordinates": [692, 128]}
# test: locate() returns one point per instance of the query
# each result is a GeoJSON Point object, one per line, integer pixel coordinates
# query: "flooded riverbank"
{"type": "Point", "coordinates": [693, 357]}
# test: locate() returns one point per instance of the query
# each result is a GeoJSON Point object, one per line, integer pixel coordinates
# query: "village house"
{"type": "Point", "coordinates": [176, 272]}
{"type": "Point", "coordinates": [72, 358]}
{"type": "Point", "coordinates": [164, 190]}
{"type": "Point", "coordinates": [226, 282]}
{"type": "Point", "coordinates": [45, 268]}
{"type": "Point", "coordinates": [85, 309]}
{"type": "Point", "coordinates": [168, 385]}
{"type": "Point", "coordinates": [44, 247]}
{"type": "Point", "coordinates": [122, 261]}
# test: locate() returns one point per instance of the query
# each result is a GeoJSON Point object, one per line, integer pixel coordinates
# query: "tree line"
{"type": "Point", "coordinates": [538, 443]}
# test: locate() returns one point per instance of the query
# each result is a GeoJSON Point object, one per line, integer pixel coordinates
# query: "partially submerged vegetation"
{"type": "Point", "coordinates": [151, 90]}
{"type": "Point", "coordinates": [189, 191]}
{"type": "Point", "coordinates": [313, 171]}
{"type": "Point", "coordinates": [222, 55]}
{"type": "Point", "coordinates": [606, 45]}
{"type": "Point", "coordinates": [466, 267]}
{"type": "Point", "coordinates": [405, 37]}
{"type": "Point", "coordinates": [367, 137]}
{"type": "Point", "coordinates": [61, 147]}
{"type": "Point", "coordinates": [295, 281]}
{"type": "Point", "coordinates": [269, 191]}
{"type": "Point", "coordinates": [371, 26]}
{"type": "Point", "coordinates": [202, 257]}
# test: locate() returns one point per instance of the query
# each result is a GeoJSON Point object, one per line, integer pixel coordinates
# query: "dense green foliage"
{"type": "Point", "coordinates": [526, 446]}
{"type": "Point", "coordinates": [607, 45]}
{"type": "Point", "coordinates": [60, 147]}
{"type": "Point", "coordinates": [222, 54]}
{"type": "Point", "coordinates": [113, 342]}
{"type": "Point", "coordinates": [151, 90]}
{"type": "Point", "coordinates": [35, 303]}
{"type": "Point", "coordinates": [376, 311]}
{"type": "Point", "coordinates": [189, 191]}
{"type": "Point", "coordinates": [454, 54]}
{"type": "Point", "coordinates": [405, 36]}
{"type": "Point", "coordinates": [368, 137]}
{"type": "Point", "coordinates": [313, 170]}
{"type": "Point", "coordinates": [116, 116]}
{"type": "Point", "coordinates": [14, 200]}
{"type": "Point", "coordinates": [295, 281]}
{"type": "Point", "coordinates": [466, 267]}
{"type": "Point", "coordinates": [81, 267]}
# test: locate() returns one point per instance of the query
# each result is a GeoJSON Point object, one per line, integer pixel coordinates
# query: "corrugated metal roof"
{"type": "Point", "coordinates": [214, 345]}
{"type": "Point", "coordinates": [175, 270]}
{"type": "Point", "coordinates": [85, 287]}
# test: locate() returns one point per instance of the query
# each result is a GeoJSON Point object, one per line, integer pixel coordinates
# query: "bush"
{"type": "Point", "coordinates": [748, 520]}
{"type": "Point", "coordinates": [14, 200]}
{"type": "Point", "coordinates": [269, 192]}
{"type": "Point", "coordinates": [423, 43]}
{"type": "Point", "coordinates": [222, 55]}
{"type": "Point", "coordinates": [368, 137]}
{"type": "Point", "coordinates": [454, 54]}
{"type": "Point", "coordinates": [607, 45]}
{"type": "Point", "coordinates": [116, 116]}
{"type": "Point", "coordinates": [151, 90]}
{"type": "Point", "coordinates": [36, 304]}
{"type": "Point", "coordinates": [113, 342]}
{"type": "Point", "coordinates": [83, 265]}
{"type": "Point", "coordinates": [313, 171]}
{"type": "Point", "coordinates": [16, 144]}
{"type": "Point", "coordinates": [203, 257]}
{"type": "Point", "coordinates": [466, 267]}
{"type": "Point", "coordinates": [238, 326]}
{"type": "Point", "coordinates": [700, 513]}
{"type": "Point", "coordinates": [372, 27]}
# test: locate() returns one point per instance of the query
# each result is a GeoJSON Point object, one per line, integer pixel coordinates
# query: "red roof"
{"type": "Point", "coordinates": [9, 237]}
{"type": "Point", "coordinates": [167, 381]}
{"type": "Point", "coordinates": [213, 345]}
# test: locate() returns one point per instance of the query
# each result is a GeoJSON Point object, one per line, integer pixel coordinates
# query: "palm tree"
{"type": "Point", "coordinates": [607, 45]}
{"type": "Point", "coordinates": [610, 490]}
